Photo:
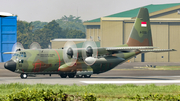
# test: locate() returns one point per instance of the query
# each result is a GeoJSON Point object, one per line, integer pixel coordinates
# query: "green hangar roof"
{"type": "Point", "coordinates": [133, 12]}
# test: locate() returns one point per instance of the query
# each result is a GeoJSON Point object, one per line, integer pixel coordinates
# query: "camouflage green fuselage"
{"type": "Point", "coordinates": [50, 61]}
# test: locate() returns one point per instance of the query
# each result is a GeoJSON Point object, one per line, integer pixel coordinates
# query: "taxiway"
{"type": "Point", "coordinates": [115, 76]}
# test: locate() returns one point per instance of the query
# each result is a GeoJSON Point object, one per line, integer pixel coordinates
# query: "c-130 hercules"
{"type": "Point", "coordinates": [83, 62]}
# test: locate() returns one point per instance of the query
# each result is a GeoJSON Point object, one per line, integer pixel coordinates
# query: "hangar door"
{"type": "Point", "coordinates": [127, 30]}
{"type": "Point", "coordinates": [160, 39]}
{"type": "Point", "coordinates": [174, 29]}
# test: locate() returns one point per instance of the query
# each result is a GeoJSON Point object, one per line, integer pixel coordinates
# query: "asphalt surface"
{"type": "Point", "coordinates": [115, 76]}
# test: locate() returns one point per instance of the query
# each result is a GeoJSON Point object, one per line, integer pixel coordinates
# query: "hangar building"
{"type": "Point", "coordinates": [8, 34]}
{"type": "Point", "coordinates": [59, 43]}
{"type": "Point", "coordinates": [114, 30]}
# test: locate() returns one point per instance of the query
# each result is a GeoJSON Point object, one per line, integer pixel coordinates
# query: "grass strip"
{"type": "Point", "coordinates": [101, 91]}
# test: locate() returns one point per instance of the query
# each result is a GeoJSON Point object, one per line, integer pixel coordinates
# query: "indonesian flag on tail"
{"type": "Point", "coordinates": [143, 24]}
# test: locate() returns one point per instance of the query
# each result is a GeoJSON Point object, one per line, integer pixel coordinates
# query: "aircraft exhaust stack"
{"type": "Point", "coordinates": [141, 31]}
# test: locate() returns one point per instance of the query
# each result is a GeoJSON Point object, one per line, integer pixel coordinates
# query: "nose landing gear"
{"type": "Point", "coordinates": [23, 76]}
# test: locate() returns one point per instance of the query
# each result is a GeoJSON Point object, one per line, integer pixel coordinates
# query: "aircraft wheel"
{"type": "Point", "coordinates": [79, 76]}
{"type": "Point", "coordinates": [63, 75]}
{"type": "Point", "coordinates": [87, 76]}
{"type": "Point", "coordinates": [23, 76]}
{"type": "Point", "coordinates": [71, 75]}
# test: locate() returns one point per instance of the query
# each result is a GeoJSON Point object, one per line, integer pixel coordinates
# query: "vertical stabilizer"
{"type": "Point", "coordinates": [141, 31]}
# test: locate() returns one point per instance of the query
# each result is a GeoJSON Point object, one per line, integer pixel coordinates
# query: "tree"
{"type": "Point", "coordinates": [38, 25]}
{"type": "Point", "coordinates": [50, 31]}
{"type": "Point", "coordinates": [24, 33]}
{"type": "Point", "coordinates": [75, 34]}
{"type": "Point", "coordinates": [71, 22]}
{"type": "Point", "coordinates": [42, 32]}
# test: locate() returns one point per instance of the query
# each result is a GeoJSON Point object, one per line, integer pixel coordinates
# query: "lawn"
{"type": "Point", "coordinates": [101, 91]}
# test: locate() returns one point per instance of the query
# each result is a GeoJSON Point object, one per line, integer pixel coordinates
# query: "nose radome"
{"type": "Point", "coordinates": [10, 65]}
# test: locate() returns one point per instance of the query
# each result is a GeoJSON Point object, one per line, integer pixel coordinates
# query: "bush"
{"type": "Point", "coordinates": [45, 95]}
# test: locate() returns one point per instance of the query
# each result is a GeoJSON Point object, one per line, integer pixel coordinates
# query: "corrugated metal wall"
{"type": "Point", "coordinates": [8, 36]}
{"type": "Point", "coordinates": [127, 30]}
{"type": "Point", "coordinates": [160, 40]}
{"type": "Point", "coordinates": [60, 44]}
{"type": "Point", "coordinates": [93, 32]}
{"type": "Point", "coordinates": [174, 37]}
{"type": "Point", "coordinates": [111, 33]}
{"type": "Point", "coordinates": [165, 35]}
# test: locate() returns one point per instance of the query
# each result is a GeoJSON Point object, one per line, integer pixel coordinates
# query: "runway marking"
{"type": "Point", "coordinates": [129, 82]}
{"type": "Point", "coordinates": [135, 76]}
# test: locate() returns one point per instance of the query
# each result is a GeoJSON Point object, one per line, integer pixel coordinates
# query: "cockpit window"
{"type": "Point", "coordinates": [14, 55]}
{"type": "Point", "coordinates": [23, 54]}
{"type": "Point", "coordinates": [21, 61]}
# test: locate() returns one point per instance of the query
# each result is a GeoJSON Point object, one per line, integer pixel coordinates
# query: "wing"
{"type": "Point", "coordinates": [127, 49]}
{"type": "Point", "coordinates": [9, 52]}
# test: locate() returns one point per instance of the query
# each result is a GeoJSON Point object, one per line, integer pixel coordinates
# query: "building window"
{"type": "Point", "coordinates": [178, 11]}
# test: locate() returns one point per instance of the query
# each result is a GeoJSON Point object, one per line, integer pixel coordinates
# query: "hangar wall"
{"type": "Point", "coordinates": [112, 33]}
{"type": "Point", "coordinates": [8, 36]}
{"type": "Point", "coordinates": [59, 43]}
{"type": "Point", "coordinates": [160, 40]}
{"type": "Point", "coordinates": [165, 27]}
{"type": "Point", "coordinates": [174, 37]}
{"type": "Point", "coordinates": [93, 32]}
{"type": "Point", "coordinates": [165, 34]}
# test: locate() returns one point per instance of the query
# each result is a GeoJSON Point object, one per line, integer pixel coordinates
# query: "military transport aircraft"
{"type": "Point", "coordinates": [85, 61]}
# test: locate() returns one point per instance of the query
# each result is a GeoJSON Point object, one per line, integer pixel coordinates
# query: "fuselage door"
{"type": "Point", "coordinates": [37, 67]}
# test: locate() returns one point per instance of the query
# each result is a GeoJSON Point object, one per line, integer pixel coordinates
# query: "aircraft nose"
{"type": "Point", "coordinates": [10, 65]}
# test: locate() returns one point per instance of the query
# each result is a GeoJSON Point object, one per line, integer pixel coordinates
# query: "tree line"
{"type": "Point", "coordinates": [43, 32]}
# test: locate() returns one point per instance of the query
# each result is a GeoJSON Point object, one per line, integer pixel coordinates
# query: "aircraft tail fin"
{"type": "Point", "coordinates": [141, 31]}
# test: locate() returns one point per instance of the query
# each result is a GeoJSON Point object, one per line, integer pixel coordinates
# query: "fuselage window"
{"type": "Point", "coordinates": [21, 61]}
{"type": "Point", "coordinates": [24, 54]}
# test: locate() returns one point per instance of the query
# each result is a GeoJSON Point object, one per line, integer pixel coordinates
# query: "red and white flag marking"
{"type": "Point", "coordinates": [143, 24]}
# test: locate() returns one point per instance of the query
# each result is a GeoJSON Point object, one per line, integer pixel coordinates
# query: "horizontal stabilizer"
{"type": "Point", "coordinates": [128, 48]}
{"type": "Point", "coordinates": [9, 52]}
{"type": "Point", "coordinates": [158, 50]}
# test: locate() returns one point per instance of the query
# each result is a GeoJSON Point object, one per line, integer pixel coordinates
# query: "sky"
{"type": "Point", "coordinates": [48, 10]}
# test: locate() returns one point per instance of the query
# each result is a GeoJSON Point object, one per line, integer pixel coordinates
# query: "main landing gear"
{"type": "Point", "coordinates": [73, 75]}
{"type": "Point", "coordinates": [63, 75]}
{"type": "Point", "coordinates": [87, 76]}
{"type": "Point", "coordinates": [23, 76]}
{"type": "Point", "coordinates": [81, 76]}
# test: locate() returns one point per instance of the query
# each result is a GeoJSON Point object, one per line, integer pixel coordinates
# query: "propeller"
{"type": "Point", "coordinates": [89, 52]}
{"type": "Point", "coordinates": [35, 45]}
{"type": "Point", "coordinates": [17, 47]}
{"type": "Point", "coordinates": [70, 53]}
{"type": "Point", "coordinates": [49, 46]}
